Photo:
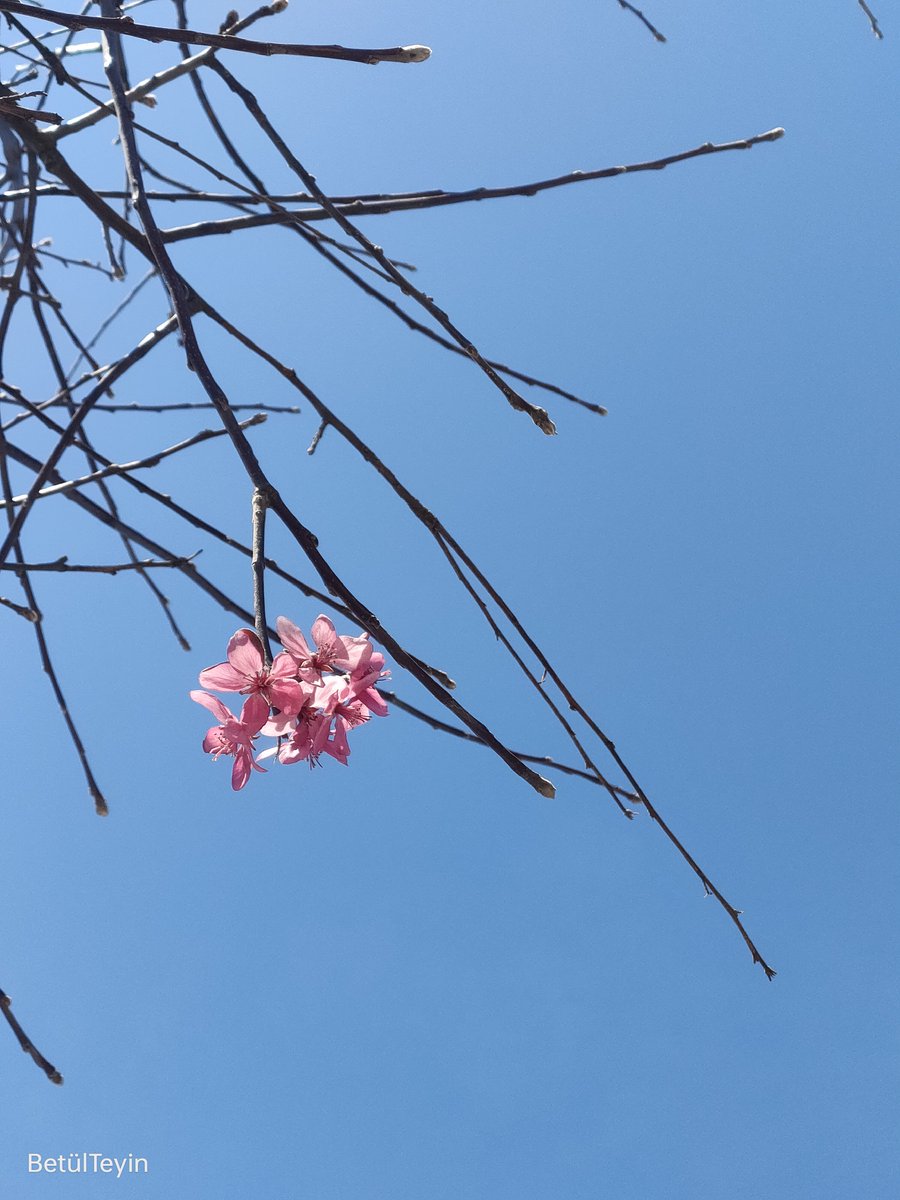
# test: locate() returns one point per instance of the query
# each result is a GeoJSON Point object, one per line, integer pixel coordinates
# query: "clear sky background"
{"type": "Point", "coordinates": [413, 978]}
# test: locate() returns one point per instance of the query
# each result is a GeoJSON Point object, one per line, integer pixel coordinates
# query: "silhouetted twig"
{"type": "Point", "coordinates": [873, 23]}
{"type": "Point", "coordinates": [117, 26]}
{"type": "Point", "coordinates": [25, 1041]}
{"type": "Point", "coordinates": [644, 21]}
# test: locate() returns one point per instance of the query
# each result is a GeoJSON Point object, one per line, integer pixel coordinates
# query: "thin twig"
{"type": "Point", "coordinates": [640, 16]}
{"type": "Point", "coordinates": [135, 406]}
{"type": "Point", "coordinates": [159, 33]}
{"type": "Point", "coordinates": [25, 1041]}
{"type": "Point", "coordinates": [317, 437]}
{"type": "Point", "coordinates": [258, 567]}
{"type": "Point", "coordinates": [19, 609]}
{"type": "Point", "coordinates": [380, 205]}
{"type": "Point", "coordinates": [62, 565]}
{"type": "Point", "coordinates": [873, 23]}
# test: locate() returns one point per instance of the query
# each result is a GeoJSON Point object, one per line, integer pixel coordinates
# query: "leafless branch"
{"type": "Point", "coordinates": [258, 563]}
{"type": "Point", "coordinates": [19, 609]}
{"type": "Point", "coordinates": [62, 565]}
{"type": "Point", "coordinates": [640, 16]}
{"type": "Point", "coordinates": [873, 23]}
{"type": "Point", "coordinates": [25, 1041]}
{"type": "Point", "coordinates": [379, 205]}
{"type": "Point", "coordinates": [127, 27]}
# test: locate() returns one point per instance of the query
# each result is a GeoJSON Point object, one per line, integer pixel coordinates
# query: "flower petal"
{"type": "Point", "coordinates": [222, 678]}
{"type": "Point", "coordinates": [375, 702]}
{"type": "Point", "coordinates": [366, 677]}
{"type": "Point", "coordinates": [338, 747]}
{"type": "Point", "coordinates": [284, 666]}
{"type": "Point", "coordinates": [240, 772]}
{"type": "Point", "coordinates": [329, 647]}
{"type": "Point", "coordinates": [245, 652]}
{"type": "Point", "coordinates": [293, 752]}
{"type": "Point", "coordinates": [280, 726]}
{"type": "Point", "coordinates": [359, 651]}
{"type": "Point", "coordinates": [288, 695]}
{"type": "Point", "coordinates": [330, 693]}
{"type": "Point", "coordinates": [213, 743]}
{"type": "Point", "coordinates": [255, 713]}
{"type": "Point", "coordinates": [291, 638]}
{"type": "Point", "coordinates": [214, 704]}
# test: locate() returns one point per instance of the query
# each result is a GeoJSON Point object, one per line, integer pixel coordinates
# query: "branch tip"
{"type": "Point", "coordinates": [414, 53]}
{"type": "Point", "coordinates": [543, 420]}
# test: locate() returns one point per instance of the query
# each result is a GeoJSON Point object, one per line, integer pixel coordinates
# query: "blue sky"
{"type": "Point", "coordinates": [413, 977]}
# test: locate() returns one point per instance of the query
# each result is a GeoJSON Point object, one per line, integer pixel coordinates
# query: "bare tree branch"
{"type": "Point", "coordinates": [379, 205]}
{"type": "Point", "coordinates": [62, 565]}
{"type": "Point", "coordinates": [158, 33]}
{"type": "Point", "coordinates": [873, 23]}
{"type": "Point", "coordinates": [640, 16]}
{"type": "Point", "coordinates": [25, 1041]}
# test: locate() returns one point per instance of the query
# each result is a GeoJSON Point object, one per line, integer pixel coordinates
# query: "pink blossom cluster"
{"type": "Point", "coordinates": [307, 699]}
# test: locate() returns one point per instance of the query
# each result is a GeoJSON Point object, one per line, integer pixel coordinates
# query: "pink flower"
{"type": "Point", "coordinates": [346, 711]}
{"type": "Point", "coordinates": [363, 679]}
{"type": "Point", "coordinates": [308, 739]}
{"type": "Point", "coordinates": [331, 653]}
{"type": "Point", "coordinates": [301, 736]}
{"type": "Point", "coordinates": [306, 701]}
{"type": "Point", "coordinates": [246, 672]}
{"type": "Point", "coordinates": [234, 735]}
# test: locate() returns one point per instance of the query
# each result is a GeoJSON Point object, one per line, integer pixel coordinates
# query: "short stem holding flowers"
{"type": "Point", "coordinates": [258, 565]}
